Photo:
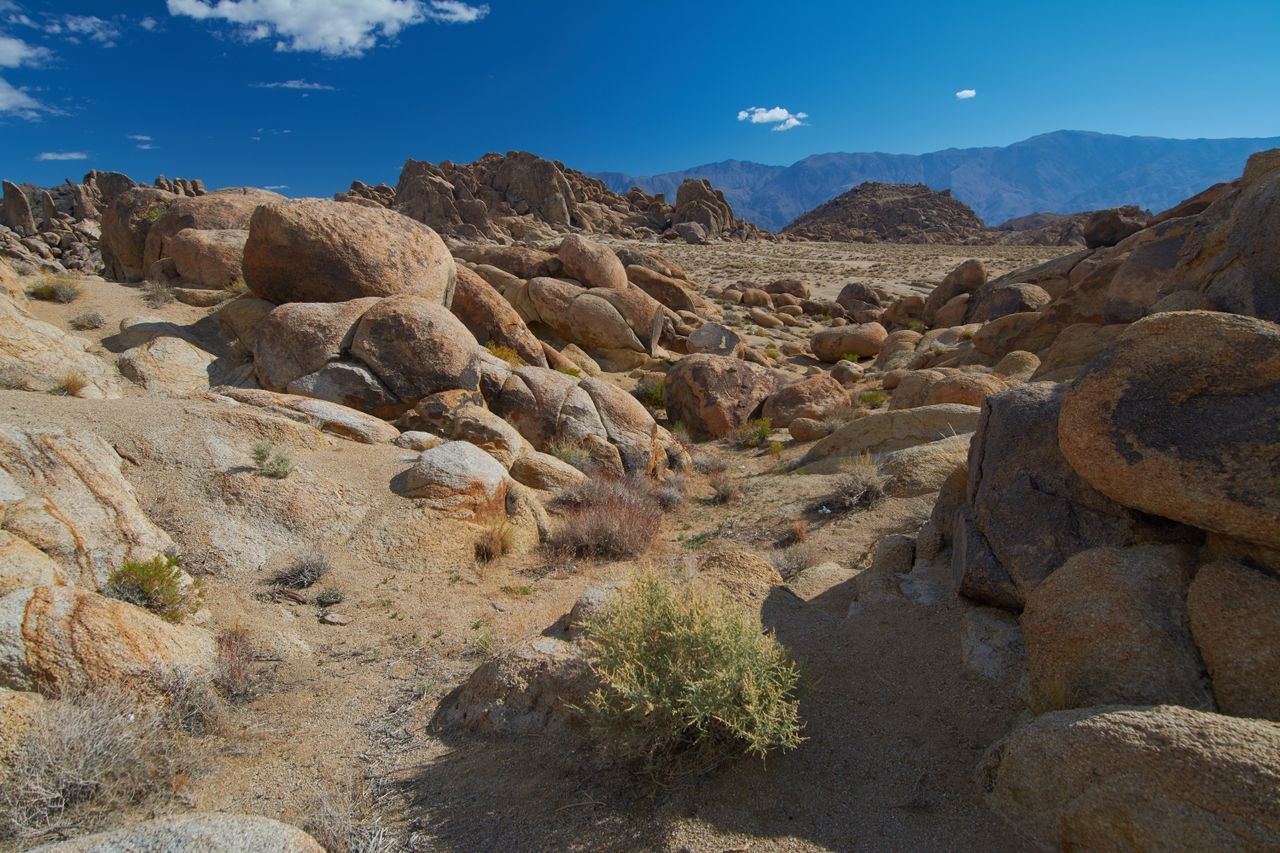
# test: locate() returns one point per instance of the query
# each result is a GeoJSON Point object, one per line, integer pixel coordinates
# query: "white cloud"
{"type": "Point", "coordinates": [149, 24]}
{"type": "Point", "coordinates": [139, 137]}
{"type": "Point", "coordinates": [455, 12]}
{"type": "Point", "coordinates": [780, 117]}
{"type": "Point", "coordinates": [18, 102]}
{"type": "Point", "coordinates": [15, 52]}
{"type": "Point", "coordinates": [966, 94]}
{"type": "Point", "coordinates": [276, 187]}
{"type": "Point", "coordinates": [146, 146]}
{"type": "Point", "coordinates": [94, 28]}
{"type": "Point", "coordinates": [296, 84]}
{"type": "Point", "coordinates": [62, 155]}
{"type": "Point", "coordinates": [348, 28]}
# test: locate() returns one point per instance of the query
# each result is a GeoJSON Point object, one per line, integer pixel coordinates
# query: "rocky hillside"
{"type": "Point", "coordinates": [890, 213]}
{"type": "Point", "coordinates": [522, 197]}
{"type": "Point", "coordinates": [334, 551]}
{"type": "Point", "coordinates": [1060, 172]}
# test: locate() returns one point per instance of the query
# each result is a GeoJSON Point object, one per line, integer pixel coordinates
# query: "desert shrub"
{"type": "Point", "coordinates": [797, 532]}
{"type": "Point", "coordinates": [236, 674]}
{"type": "Point", "coordinates": [55, 289]}
{"type": "Point", "coordinates": [302, 571]}
{"type": "Point", "coordinates": [329, 597]}
{"type": "Point", "coordinates": [775, 449]}
{"type": "Point", "coordinates": [793, 560]}
{"type": "Point", "coordinates": [507, 354]}
{"type": "Point", "coordinates": [651, 392]}
{"type": "Point", "coordinates": [850, 357]}
{"type": "Point", "coordinates": [873, 399]}
{"type": "Point", "coordinates": [153, 214]}
{"type": "Point", "coordinates": [841, 415]}
{"type": "Point", "coordinates": [688, 677]}
{"type": "Point", "coordinates": [606, 518]}
{"type": "Point", "coordinates": [752, 434]}
{"type": "Point", "coordinates": [573, 454]}
{"type": "Point", "coordinates": [670, 492]}
{"type": "Point", "coordinates": [570, 371]}
{"type": "Point", "coordinates": [86, 321]}
{"type": "Point", "coordinates": [724, 489]}
{"type": "Point", "coordinates": [157, 585]}
{"type": "Point", "coordinates": [860, 486]}
{"type": "Point", "coordinates": [157, 294]}
{"type": "Point", "coordinates": [192, 703]}
{"type": "Point", "coordinates": [494, 541]}
{"type": "Point", "coordinates": [705, 462]}
{"type": "Point", "coordinates": [88, 756]}
{"type": "Point", "coordinates": [270, 460]}
{"type": "Point", "coordinates": [70, 383]}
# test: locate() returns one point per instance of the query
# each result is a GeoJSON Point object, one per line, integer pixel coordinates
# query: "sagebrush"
{"type": "Point", "coordinates": [158, 584]}
{"type": "Point", "coordinates": [861, 485]}
{"type": "Point", "coordinates": [607, 518]}
{"type": "Point", "coordinates": [687, 677]}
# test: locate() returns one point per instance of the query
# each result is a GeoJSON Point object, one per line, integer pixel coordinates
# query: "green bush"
{"type": "Point", "coordinates": [158, 585]}
{"type": "Point", "coordinates": [687, 677]}
{"type": "Point", "coordinates": [753, 433]}
{"type": "Point", "coordinates": [271, 461]}
{"type": "Point", "coordinates": [569, 371]}
{"type": "Point", "coordinates": [652, 393]}
{"type": "Point", "coordinates": [872, 399]}
{"type": "Point", "coordinates": [507, 354]}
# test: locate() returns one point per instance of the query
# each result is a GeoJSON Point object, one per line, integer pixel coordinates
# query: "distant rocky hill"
{"type": "Point", "coordinates": [890, 213]}
{"type": "Point", "coordinates": [1060, 172]}
{"type": "Point", "coordinates": [520, 196]}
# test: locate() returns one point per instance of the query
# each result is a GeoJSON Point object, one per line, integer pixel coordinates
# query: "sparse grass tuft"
{"type": "Point", "coordinates": [55, 289]}
{"type": "Point", "coordinates": [705, 462]}
{"type": "Point", "coordinates": [236, 676]}
{"type": "Point", "coordinates": [271, 461]}
{"type": "Point", "coordinates": [652, 393]}
{"type": "Point", "coordinates": [87, 321]}
{"type": "Point", "coordinates": [70, 384]}
{"type": "Point", "coordinates": [688, 680]}
{"type": "Point", "coordinates": [606, 518]}
{"type": "Point", "coordinates": [860, 486]}
{"type": "Point", "coordinates": [873, 399]}
{"type": "Point", "coordinates": [574, 455]}
{"type": "Point", "coordinates": [507, 354]}
{"type": "Point", "coordinates": [724, 488]}
{"type": "Point", "coordinates": [345, 822]}
{"type": "Point", "coordinates": [157, 294]}
{"type": "Point", "coordinates": [494, 541]}
{"type": "Point", "coordinates": [302, 571]}
{"type": "Point", "coordinates": [570, 371]}
{"type": "Point", "coordinates": [752, 434]}
{"type": "Point", "coordinates": [670, 493]}
{"type": "Point", "coordinates": [158, 585]}
{"type": "Point", "coordinates": [329, 597]}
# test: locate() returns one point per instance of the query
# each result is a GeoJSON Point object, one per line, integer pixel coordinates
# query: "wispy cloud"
{"type": "Point", "coordinates": [780, 117]}
{"type": "Point", "coordinates": [966, 94]}
{"type": "Point", "coordinates": [455, 12]}
{"type": "Point", "coordinates": [93, 28]}
{"type": "Point", "coordinates": [62, 155]}
{"type": "Point", "coordinates": [14, 101]}
{"type": "Point", "coordinates": [276, 187]}
{"type": "Point", "coordinates": [146, 146]}
{"type": "Point", "coordinates": [346, 29]}
{"type": "Point", "coordinates": [149, 24]}
{"type": "Point", "coordinates": [296, 84]}
{"type": "Point", "coordinates": [16, 52]}
{"type": "Point", "coordinates": [139, 137]}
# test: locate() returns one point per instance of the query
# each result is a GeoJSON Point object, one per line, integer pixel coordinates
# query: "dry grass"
{"type": "Point", "coordinates": [89, 756]}
{"type": "Point", "coordinates": [705, 462]}
{"type": "Point", "coordinates": [724, 488]}
{"type": "Point", "coordinates": [752, 434]}
{"type": "Point", "coordinates": [270, 460]}
{"type": "Point", "coordinates": [157, 294]}
{"type": "Point", "coordinates": [55, 289]}
{"type": "Point", "coordinates": [606, 519]}
{"type": "Point", "coordinates": [507, 354]}
{"type": "Point", "coordinates": [87, 321]}
{"type": "Point", "coordinates": [494, 541]}
{"type": "Point", "coordinates": [860, 486]}
{"type": "Point", "coordinates": [70, 384]}
{"type": "Point", "coordinates": [236, 675]}
{"type": "Point", "coordinates": [344, 821]}
{"type": "Point", "coordinates": [793, 560]}
{"type": "Point", "coordinates": [302, 571]}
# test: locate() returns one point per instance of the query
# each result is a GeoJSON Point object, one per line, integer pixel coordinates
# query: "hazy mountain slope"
{"type": "Point", "coordinates": [1062, 172]}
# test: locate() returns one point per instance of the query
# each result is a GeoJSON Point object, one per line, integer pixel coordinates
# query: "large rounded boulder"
{"type": "Point", "coordinates": [311, 250]}
{"type": "Point", "coordinates": [713, 395]}
{"type": "Point", "coordinates": [416, 347]}
{"type": "Point", "coordinates": [1178, 418]}
{"type": "Point", "coordinates": [863, 340]}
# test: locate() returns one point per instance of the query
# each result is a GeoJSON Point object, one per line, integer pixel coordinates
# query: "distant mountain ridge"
{"type": "Point", "coordinates": [1061, 172]}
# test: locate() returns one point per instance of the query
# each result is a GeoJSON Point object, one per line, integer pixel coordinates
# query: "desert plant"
{"type": "Point", "coordinates": [670, 492]}
{"type": "Point", "coordinates": [572, 454]}
{"type": "Point", "coordinates": [271, 461]}
{"type": "Point", "coordinates": [570, 371]}
{"type": "Point", "coordinates": [606, 518]}
{"type": "Point", "coordinates": [302, 571]}
{"type": "Point", "coordinates": [88, 756]}
{"type": "Point", "coordinates": [235, 673]}
{"type": "Point", "coordinates": [861, 485]}
{"type": "Point", "coordinates": [157, 294]}
{"type": "Point", "coordinates": [70, 383]}
{"type": "Point", "coordinates": [86, 321]}
{"type": "Point", "coordinates": [686, 677]}
{"type": "Point", "coordinates": [793, 560]}
{"type": "Point", "coordinates": [159, 585]}
{"type": "Point", "coordinates": [651, 392]}
{"type": "Point", "coordinates": [724, 489]}
{"type": "Point", "coordinates": [192, 703]}
{"type": "Point", "coordinates": [873, 399]}
{"type": "Point", "coordinates": [343, 821]}
{"type": "Point", "coordinates": [850, 357]}
{"type": "Point", "coordinates": [55, 289]}
{"type": "Point", "coordinates": [494, 541]}
{"type": "Point", "coordinates": [329, 597]}
{"type": "Point", "coordinates": [705, 462]}
{"type": "Point", "coordinates": [753, 433]}
{"type": "Point", "coordinates": [153, 214]}
{"type": "Point", "coordinates": [507, 354]}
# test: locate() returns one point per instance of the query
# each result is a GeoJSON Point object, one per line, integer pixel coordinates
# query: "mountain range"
{"type": "Point", "coordinates": [1061, 172]}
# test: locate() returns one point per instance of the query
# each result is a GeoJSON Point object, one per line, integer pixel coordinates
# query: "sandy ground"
{"type": "Point", "coordinates": [895, 722]}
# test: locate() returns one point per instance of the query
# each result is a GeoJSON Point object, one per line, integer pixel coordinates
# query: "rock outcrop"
{"type": "Point", "coordinates": [890, 213]}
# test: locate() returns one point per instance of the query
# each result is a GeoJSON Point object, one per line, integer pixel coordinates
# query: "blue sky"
{"type": "Point", "coordinates": [308, 95]}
